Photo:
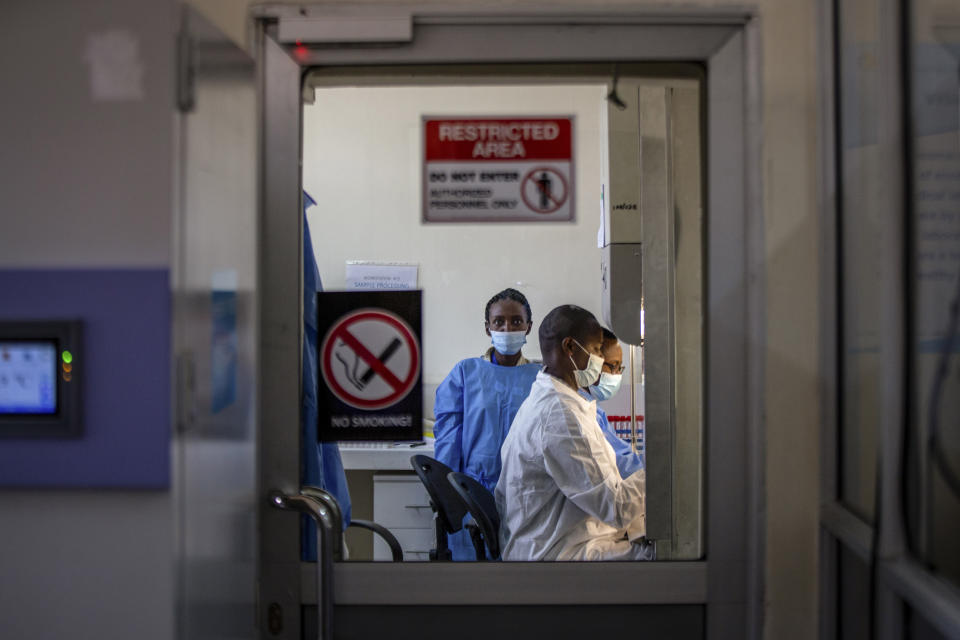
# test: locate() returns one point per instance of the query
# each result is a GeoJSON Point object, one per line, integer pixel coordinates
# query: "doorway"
{"type": "Point", "coordinates": [369, 598]}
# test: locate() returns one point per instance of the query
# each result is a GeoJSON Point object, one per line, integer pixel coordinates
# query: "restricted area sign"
{"type": "Point", "coordinates": [498, 169]}
{"type": "Point", "coordinates": [370, 361]}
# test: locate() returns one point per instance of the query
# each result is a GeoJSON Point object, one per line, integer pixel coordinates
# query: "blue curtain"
{"type": "Point", "coordinates": [321, 465]}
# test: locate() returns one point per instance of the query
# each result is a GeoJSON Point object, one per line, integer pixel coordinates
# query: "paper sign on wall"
{"type": "Point", "coordinates": [381, 276]}
{"type": "Point", "coordinates": [498, 169]}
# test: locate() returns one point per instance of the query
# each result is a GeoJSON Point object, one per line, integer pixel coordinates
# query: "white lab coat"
{"type": "Point", "coordinates": [560, 495]}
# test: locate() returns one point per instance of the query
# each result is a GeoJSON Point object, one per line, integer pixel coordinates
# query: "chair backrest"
{"type": "Point", "coordinates": [481, 506]}
{"type": "Point", "coordinates": [433, 474]}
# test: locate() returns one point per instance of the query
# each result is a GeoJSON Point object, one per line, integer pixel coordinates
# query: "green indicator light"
{"type": "Point", "coordinates": [67, 357]}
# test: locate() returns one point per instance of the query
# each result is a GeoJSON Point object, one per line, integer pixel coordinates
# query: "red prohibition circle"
{"type": "Point", "coordinates": [558, 203]}
{"type": "Point", "coordinates": [326, 351]}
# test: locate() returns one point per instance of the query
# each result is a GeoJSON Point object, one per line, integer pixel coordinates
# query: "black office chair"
{"type": "Point", "coordinates": [481, 506]}
{"type": "Point", "coordinates": [325, 497]}
{"type": "Point", "coordinates": [448, 509]}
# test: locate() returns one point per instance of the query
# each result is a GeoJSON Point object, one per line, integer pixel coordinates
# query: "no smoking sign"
{"type": "Point", "coordinates": [370, 359]}
{"type": "Point", "coordinates": [370, 363]}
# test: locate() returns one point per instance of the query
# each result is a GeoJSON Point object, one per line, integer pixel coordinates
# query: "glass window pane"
{"type": "Point", "coordinates": [853, 610]}
{"type": "Point", "coordinates": [860, 165]}
{"type": "Point", "coordinates": [935, 218]}
{"type": "Point", "coordinates": [365, 149]}
{"type": "Point", "coordinates": [916, 627]}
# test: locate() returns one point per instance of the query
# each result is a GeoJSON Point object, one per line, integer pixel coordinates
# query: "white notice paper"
{"type": "Point", "coordinates": [116, 70]}
{"type": "Point", "coordinates": [379, 276]}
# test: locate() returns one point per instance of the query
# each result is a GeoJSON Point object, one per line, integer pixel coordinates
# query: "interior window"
{"type": "Point", "coordinates": [364, 165]}
{"type": "Point", "coordinates": [934, 442]}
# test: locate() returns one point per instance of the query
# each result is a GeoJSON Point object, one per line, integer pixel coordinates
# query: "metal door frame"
{"type": "Point", "coordinates": [729, 582]}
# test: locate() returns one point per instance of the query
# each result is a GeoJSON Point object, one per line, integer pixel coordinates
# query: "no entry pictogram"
{"type": "Point", "coordinates": [544, 189]}
{"type": "Point", "coordinates": [370, 359]}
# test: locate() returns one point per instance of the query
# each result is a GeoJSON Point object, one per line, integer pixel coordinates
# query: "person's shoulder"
{"type": "Point", "coordinates": [470, 364]}
{"type": "Point", "coordinates": [457, 371]}
{"type": "Point", "coordinates": [528, 372]}
{"type": "Point", "coordinates": [549, 399]}
{"type": "Point", "coordinates": [557, 407]}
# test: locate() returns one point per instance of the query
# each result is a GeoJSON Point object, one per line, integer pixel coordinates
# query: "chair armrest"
{"type": "Point", "coordinates": [384, 533]}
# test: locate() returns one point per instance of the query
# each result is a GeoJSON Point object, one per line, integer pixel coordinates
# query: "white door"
{"type": "Point", "coordinates": [215, 329]}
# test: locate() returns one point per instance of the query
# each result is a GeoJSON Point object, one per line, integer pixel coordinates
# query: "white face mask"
{"type": "Point", "coordinates": [508, 342]}
{"type": "Point", "coordinates": [607, 387]}
{"type": "Point", "coordinates": [586, 377]}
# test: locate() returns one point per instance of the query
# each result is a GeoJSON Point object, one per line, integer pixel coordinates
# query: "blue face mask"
{"type": "Point", "coordinates": [607, 387]}
{"type": "Point", "coordinates": [508, 343]}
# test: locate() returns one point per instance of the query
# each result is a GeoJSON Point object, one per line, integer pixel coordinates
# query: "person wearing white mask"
{"type": "Point", "coordinates": [628, 461]}
{"type": "Point", "coordinates": [478, 399]}
{"type": "Point", "coordinates": [560, 494]}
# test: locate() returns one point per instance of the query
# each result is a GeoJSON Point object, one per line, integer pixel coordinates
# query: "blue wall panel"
{"type": "Point", "coordinates": [126, 378]}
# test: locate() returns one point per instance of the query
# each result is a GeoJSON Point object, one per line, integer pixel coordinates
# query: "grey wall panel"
{"type": "Point", "coordinates": [86, 171]}
{"type": "Point", "coordinates": [80, 564]}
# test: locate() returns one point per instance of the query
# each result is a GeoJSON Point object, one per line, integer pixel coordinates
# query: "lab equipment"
{"type": "Point", "coordinates": [40, 378]}
{"type": "Point", "coordinates": [623, 428]}
{"type": "Point", "coordinates": [620, 227]}
{"type": "Point", "coordinates": [619, 438]}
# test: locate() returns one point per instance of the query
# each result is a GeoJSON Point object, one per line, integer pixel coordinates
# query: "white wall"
{"type": "Point", "coordinates": [363, 166]}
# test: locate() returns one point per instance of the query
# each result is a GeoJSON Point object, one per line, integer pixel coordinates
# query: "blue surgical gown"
{"type": "Point", "coordinates": [321, 464]}
{"type": "Point", "coordinates": [627, 460]}
{"type": "Point", "coordinates": [474, 407]}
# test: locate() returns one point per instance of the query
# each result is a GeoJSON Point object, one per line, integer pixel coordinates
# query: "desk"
{"type": "Point", "coordinates": [396, 499]}
{"type": "Point", "coordinates": [381, 456]}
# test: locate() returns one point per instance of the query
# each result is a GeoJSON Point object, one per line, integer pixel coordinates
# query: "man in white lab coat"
{"type": "Point", "coordinates": [560, 495]}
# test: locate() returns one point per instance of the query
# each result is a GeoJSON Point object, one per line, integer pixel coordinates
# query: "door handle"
{"type": "Point", "coordinates": [326, 527]}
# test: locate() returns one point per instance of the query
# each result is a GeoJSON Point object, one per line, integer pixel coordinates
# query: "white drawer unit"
{"type": "Point", "coordinates": [401, 504]}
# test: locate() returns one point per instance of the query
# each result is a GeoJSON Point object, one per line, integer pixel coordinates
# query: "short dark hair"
{"type": "Point", "coordinates": [609, 336]}
{"type": "Point", "coordinates": [563, 321]}
{"type": "Point", "coordinates": [508, 294]}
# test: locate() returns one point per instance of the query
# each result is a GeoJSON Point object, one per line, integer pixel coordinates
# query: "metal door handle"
{"type": "Point", "coordinates": [326, 528]}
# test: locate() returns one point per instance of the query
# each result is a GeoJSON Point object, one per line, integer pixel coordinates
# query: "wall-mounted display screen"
{"type": "Point", "coordinates": [40, 378]}
{"type": "Point", "coordinates": [28, 377]}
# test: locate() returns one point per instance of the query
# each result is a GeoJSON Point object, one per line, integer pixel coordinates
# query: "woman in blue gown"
{"type": "Point", "coordinates": [479, 398]}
